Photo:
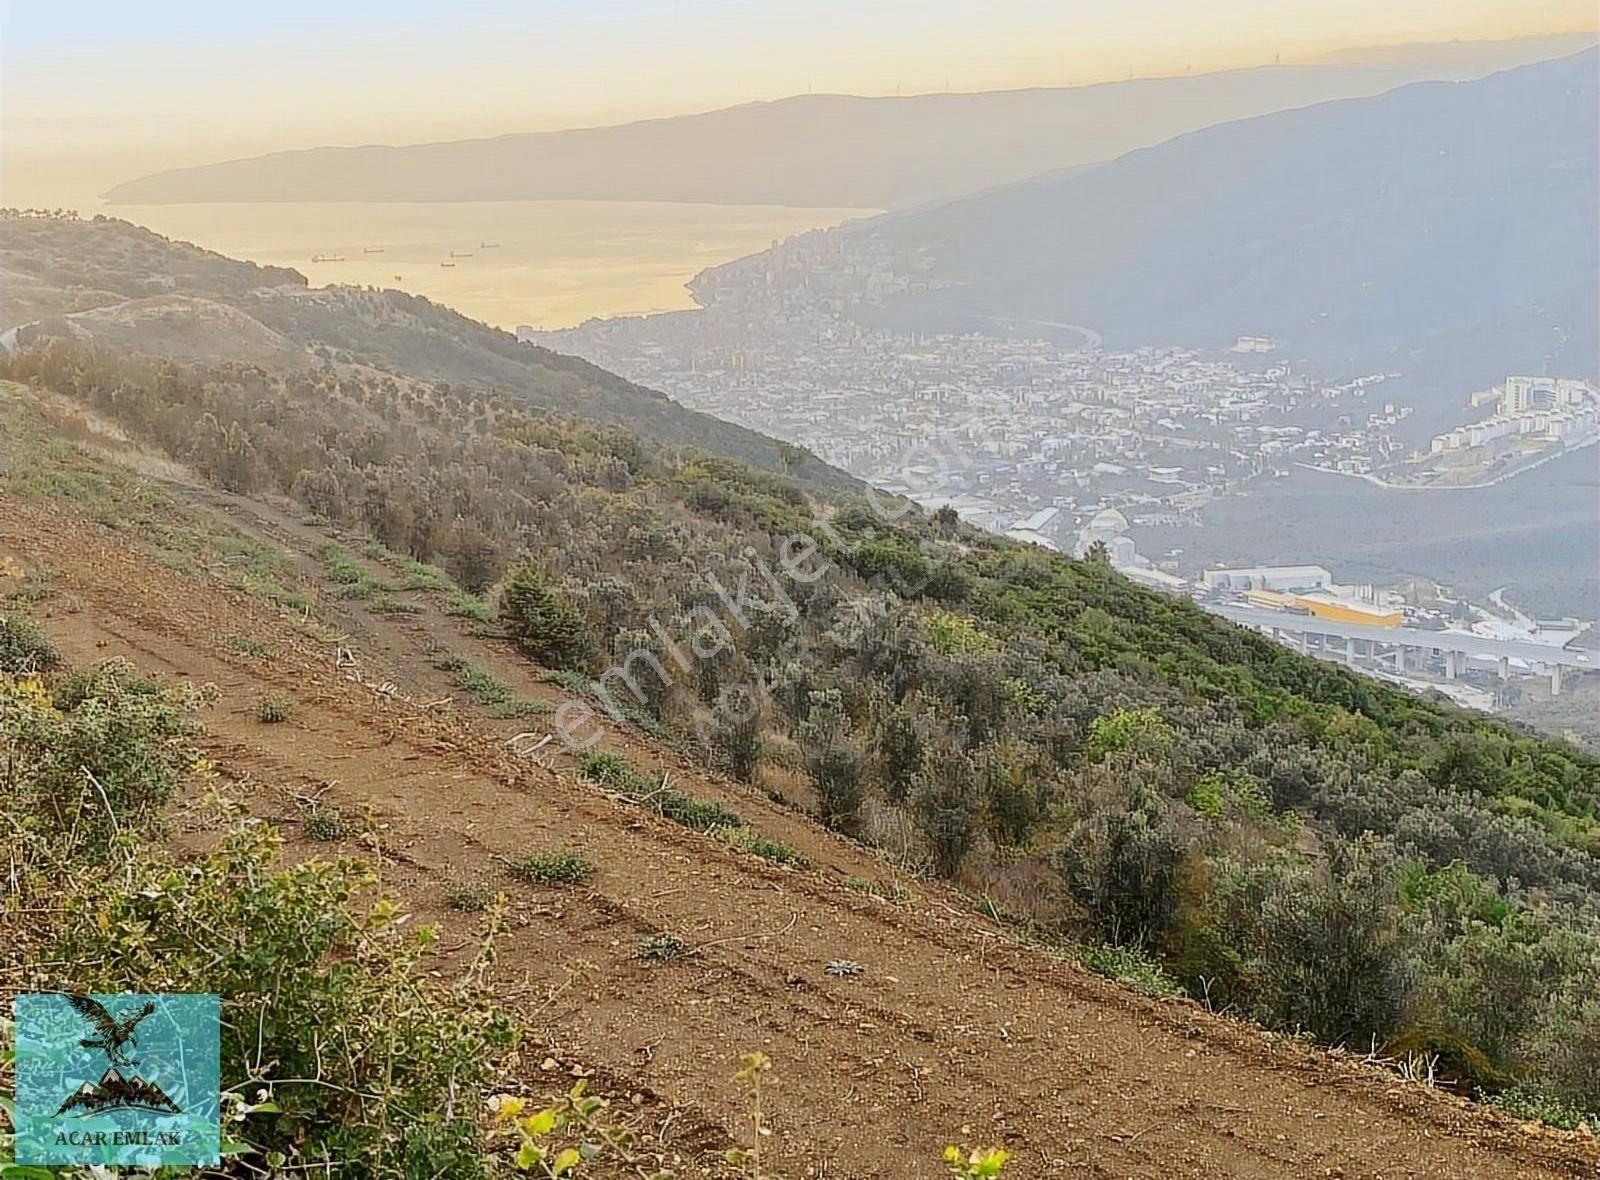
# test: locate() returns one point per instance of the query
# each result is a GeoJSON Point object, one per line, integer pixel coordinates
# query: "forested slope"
{"type": "Point", "coordinates": [443, 952]}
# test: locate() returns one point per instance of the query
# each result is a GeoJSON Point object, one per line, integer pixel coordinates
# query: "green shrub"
{"type": "Point", "coordinates": [462, 605]}
{"type": "Point", "coordinates": [25, 648]}
{"type": "Point", "coordinates": [300, 969]}
{"type": "Point", "coordinates": [737, 740]}
{"type": "Point", "coordinates": [348, 574]}
{"type": "Point", "coordinates": [1120, 862]}
{"type": "Point", "coordinates": [413, 574]}
{"type": "Point", "coordinates": [1132, 731]}
{"type": "Point", "coordinates": [898, 754]}
{"type": "Point", "coordinates": [1319, 948]}
{"type": "Point", "coordinates": [263, 571]}
{"type": "Point", "coordinates": [481, 686]}
{"type": "Point", "coordinates": [419, 575]}
{"type": "Point", "coordinates": [1535, 1105]}
{"type": "Point", "coordinates": [1217, 795]}
{"type": "Point", "coordinates": [542, 621]}
{"type": "Point", "coordinates": [945, 807]}
{"type": "Point", "coordinates": [102, 755]}
{"type": "Point", "coordinates": [1567, 1042]}
{"type": "Point", "coordinates": [577, 683]}
{"type": "Point", "coordinates": [702, 815]}
{"type": "Point", "coordinates": [832, 760]}
{"type": "Point", "coordinates": [608, 769]}
{"type": "Point", "coordinates": [469, 893]}
{"type": "Point", "coordinates": [563, 867]}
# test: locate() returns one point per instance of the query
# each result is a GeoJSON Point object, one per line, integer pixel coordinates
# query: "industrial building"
{"type": "Point", "coordinates": [1256, 344]}
{"type": "Point", "coordinates": [1332, 607]}
{"type": "Point", "coordinates": [1153, 579]}
{"type": "Point", "coordinates": [1268, 577]}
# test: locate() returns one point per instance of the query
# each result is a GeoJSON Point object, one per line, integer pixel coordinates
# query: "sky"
{"type": "Point", "coordinates": [95, 93]}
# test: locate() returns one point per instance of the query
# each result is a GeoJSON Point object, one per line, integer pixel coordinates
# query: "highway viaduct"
{"type": "Point", "coordinates": [1410, 647]}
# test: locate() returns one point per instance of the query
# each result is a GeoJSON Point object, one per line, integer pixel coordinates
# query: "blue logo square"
{"type": "Point", "coordinates": [123, 1079]}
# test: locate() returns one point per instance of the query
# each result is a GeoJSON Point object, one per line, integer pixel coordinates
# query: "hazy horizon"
{"type": "Point", "coordinates": [90, 101]}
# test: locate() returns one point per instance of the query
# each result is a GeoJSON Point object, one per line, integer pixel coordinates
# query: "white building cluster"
{"type": "Point", "coordinates": [1033, 436]}
{"type": "Point", "coordinates": [1540, 409]}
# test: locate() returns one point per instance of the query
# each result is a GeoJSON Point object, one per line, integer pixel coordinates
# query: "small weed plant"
{"type": "Point", "coordinates": [660, 948]}
{"type": "Point", "coordinates": [273, 710]}
{"type": "Point", "coordinates": [564, 1140]}
{"type": "Point", "coordinates": [326, 824]}
{"type": "Point", "coordinates": [753, 842]}
{"type": "Point", "coordinates": [979, 1163]}
{"type": "Point", "coordinates": [562, 867]}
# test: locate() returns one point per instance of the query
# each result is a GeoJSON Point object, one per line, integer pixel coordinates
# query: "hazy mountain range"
{"type": "Point", "coordinates": [1447, 229]}
{"type": "Point", "coordinates": [826, 150]}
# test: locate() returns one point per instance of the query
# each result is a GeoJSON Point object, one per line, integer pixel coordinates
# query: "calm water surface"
{"type": "Point", "coordinates": [548, 263]}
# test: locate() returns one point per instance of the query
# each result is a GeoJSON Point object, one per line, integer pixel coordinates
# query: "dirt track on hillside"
{"type": "Point", "coordinates": [953, 1033]}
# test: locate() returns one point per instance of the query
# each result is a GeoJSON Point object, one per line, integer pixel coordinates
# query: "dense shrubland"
{"type": "Point", "coordinates": [310, 966]}
{"type": "Point", "coordinates": [1292, 842]}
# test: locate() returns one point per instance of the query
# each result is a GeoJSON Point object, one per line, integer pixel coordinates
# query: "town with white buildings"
{"type": "Point", "coordinates": [1003, 428]}
{"type": "Point", "coordinates": [1533, 418]}
{"type": "Point", "coordinates": [1071, 446]}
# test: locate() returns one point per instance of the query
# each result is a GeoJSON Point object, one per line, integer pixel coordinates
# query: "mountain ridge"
{"type": "Point", "coordinates": [803, 150]}
{"type": "Point", "coordinates": [1323, 226]}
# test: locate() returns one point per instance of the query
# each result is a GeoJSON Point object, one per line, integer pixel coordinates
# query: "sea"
{"type": "Point", "coordinates": [549, 264]}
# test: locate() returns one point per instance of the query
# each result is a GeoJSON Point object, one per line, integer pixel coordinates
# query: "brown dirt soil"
{"type": "Point", "coordinates": [954, 1033]}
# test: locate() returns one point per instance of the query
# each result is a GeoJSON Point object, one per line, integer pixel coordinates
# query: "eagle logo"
{"type": "Point", "coordinates": [114, 1033]}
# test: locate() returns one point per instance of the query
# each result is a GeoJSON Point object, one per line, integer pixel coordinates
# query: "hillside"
{"type": "Point", "coordinates": [1196, 807]}
{"type": "Point", "coordinates": [343, 720]}
{"type": "Point", "coordinates": [120, 285]}
{"type": "Point", "coordinates": [761, 764]}
{"type": "Point", "coordinates": [1444, 230]}
{"type": "Point", "coordinates": [820, 150]}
